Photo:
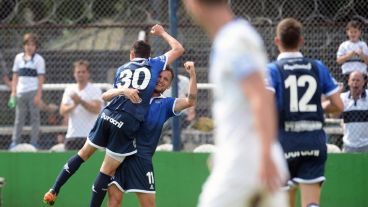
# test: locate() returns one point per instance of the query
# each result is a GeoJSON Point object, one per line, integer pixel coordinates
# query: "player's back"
{"type": "Point", "coordinates": [299, 99]}
{"type": "Point", "coordinates": [141, 74]}
{"type": "Point", "coordinates": [235, 45]}
{"type": "Point", "coordinates": [299, 84]}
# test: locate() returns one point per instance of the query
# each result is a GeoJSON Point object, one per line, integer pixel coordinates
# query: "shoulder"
{"type": "Point", "coordinates": [320, 65]}
{"type": "Point", "coordinates": [38, 57]}
{"type": "Point", "coordinates": [19, 56]}
{"type": "Point", "coordinates": [363, 43]}
{"type": "Point", "coordinates": [161, 58]}
{"type": "Point", "coordinates": [344, 95]}
{"type": "Point", "coordinates": [272, 68]}
{"type": "Point", "coordinates": [70, 88]}
{"type": "Point", "coordinates": [345, 43]}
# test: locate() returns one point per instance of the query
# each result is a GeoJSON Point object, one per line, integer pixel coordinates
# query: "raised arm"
{"type": "Point", "coordinates": [177, 49]}
{"type": "Point", "coordinates": [190, 100]}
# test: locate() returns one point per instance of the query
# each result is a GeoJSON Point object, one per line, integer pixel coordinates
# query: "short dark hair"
{"type": "Point", "coordinates": [141, 49]}
{"type": "Point", "coordinates": [289, 31]}
{"type": "Point", "coordinates": [169, 68]}
{"type": "Point", "coordinates": [354, 24]}
{"type": "Point", "coordinates": [30, 37]}
{"type": "Point", "coordinates": [81, 62]}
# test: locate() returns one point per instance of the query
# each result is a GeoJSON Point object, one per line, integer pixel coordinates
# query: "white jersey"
{"type": "Point", "coordinates": [80, 120]}
{"type": "Point", "coordinates": [237, 52]}
{"type": "Point", "coordinates": [355, 63]}
{"type": "Point", "coordinates": [28, 72]}
{"type": "Point", "coordinates": [355, 120]}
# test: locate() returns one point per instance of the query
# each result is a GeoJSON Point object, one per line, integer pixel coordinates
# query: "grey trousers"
{"type": "Point", "coordinates": [25, 104]}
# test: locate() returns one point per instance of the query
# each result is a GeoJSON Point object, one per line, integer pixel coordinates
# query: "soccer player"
{"type": "Point", "coordinates": [120, 119]}
{"type": "Point", "coordinates": [298, 84]}
{"type": "Point", "coordinates": [136, 173]}
{"type": "Point", "coordinates": [248, 164]}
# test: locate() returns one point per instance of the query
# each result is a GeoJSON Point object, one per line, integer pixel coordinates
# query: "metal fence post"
{"type": "Point", "coordinates": [173, 6]}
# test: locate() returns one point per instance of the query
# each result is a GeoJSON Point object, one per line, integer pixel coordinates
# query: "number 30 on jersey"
{"type": "Point", "coordinates": [138, 78]}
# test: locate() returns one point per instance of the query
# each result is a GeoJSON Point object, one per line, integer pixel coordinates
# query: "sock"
{"type": "Point", "coordinates": [312, 205]}
{"type": "Point", "coordinates": [69, 169]}
{"type": "Point", "coordinates": [99, 189]}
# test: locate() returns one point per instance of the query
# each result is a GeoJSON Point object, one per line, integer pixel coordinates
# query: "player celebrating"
{"type": "Point", "coordinates": [298, 83]}
{"type": "Point", "coordinates": [136, 173]}
{"type": "Point", "coordinates": [248, 164]}
{"type": "Point", "coordinates": [120, 119]}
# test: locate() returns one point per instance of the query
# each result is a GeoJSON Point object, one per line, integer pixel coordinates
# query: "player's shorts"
{"type": "Point", "coordinates": [135, 174]}
{"type": "Point", "coordinates": [306, 155]}
{"type": "Point", "coordinates": [234, 180]}
{"type": "Point", "coordinates": [114, 130]}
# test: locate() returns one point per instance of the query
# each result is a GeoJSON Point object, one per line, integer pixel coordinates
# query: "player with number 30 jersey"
{"type": "Point", "coordinates": [121, 115]}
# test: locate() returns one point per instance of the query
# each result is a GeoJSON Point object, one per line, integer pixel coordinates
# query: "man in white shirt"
{"type": "Point", "coordinates": [248, 164]}
{"type": "Point", "coordinates": [81, 103]}
{"type": "Point", "coordinates": [355, 114]}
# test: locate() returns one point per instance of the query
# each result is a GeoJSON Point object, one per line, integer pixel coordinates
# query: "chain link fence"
{"type": "Point", "coordinates": [102, 33]}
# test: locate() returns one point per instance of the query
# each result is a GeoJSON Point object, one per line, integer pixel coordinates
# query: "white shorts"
{"type": "Point", "coordinates": [234, 182]}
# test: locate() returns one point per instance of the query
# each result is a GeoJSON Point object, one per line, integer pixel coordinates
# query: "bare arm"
{"type": "Point", "coordinates": [344, 58]}
{"type": "Point", "coordinates": [130, 93]}
{"type": "Point", "coordinates": [190, 100]}
{"type": "Point", "coordinates": [363, 56]}
{"type": "Point", "coordinates": [65, 109]}
{"type": "Point", "coordinates": [93, 106]}
{"type": "Point", "coordinates": [333, 104]}
{"type": "Point", "coordinates": [262, 105]}
{"type": "Point", "coordinates": [14, 85]}
{"type": "Point", "coordinates": [38, 97]}
{"type": "Point", "coordinates": [177, 49]}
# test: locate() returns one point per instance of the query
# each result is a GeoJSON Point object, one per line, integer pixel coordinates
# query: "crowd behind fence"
{"type": "Point", "coordinates": [102, 33]}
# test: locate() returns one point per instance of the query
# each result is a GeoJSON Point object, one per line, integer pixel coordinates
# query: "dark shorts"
{"type": "Point", "coordinates": [115, 130]}
{"type": "Point", "coordinates": [74, 143]}
{"type": "Point", "coordinates": [135, 174]}
{"type": "Point", "coordinates": [306, 155]}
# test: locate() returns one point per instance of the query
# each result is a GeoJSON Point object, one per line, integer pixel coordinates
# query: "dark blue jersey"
{"type": "Point", "coordinates": [160, 110]}
{"type": "Point", "coordinates": [141, 74]}
{"type": "Point", "coordinates": [299, 83]}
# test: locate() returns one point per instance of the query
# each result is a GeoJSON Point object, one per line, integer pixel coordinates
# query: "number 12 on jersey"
{"type": "Point", "coordinates": [302, 104]}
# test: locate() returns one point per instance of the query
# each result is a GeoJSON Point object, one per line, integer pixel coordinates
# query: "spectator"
{"type": "Point", "coordinates": [81, 103]}
{"type": "Point", "coordinates": [355, 115]}
{"type": "Point", "coordinates": [26, 92]}
{"type": "Point", "coordinates": [4, 72]}
{"type": "Point", "coordinates": [353, 53]}
{"type": "Point", "coordinates": [188, 114]}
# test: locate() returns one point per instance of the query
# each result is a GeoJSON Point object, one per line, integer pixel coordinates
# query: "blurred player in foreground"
{"type": "Point", "coordinates": [298, 84]}
{"type": "Point", "coordinates": [119, 121]}
{"type": "Point", "coordinates": [136, 173]}
{"type": "Point", "coordinates": [248, 165]}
